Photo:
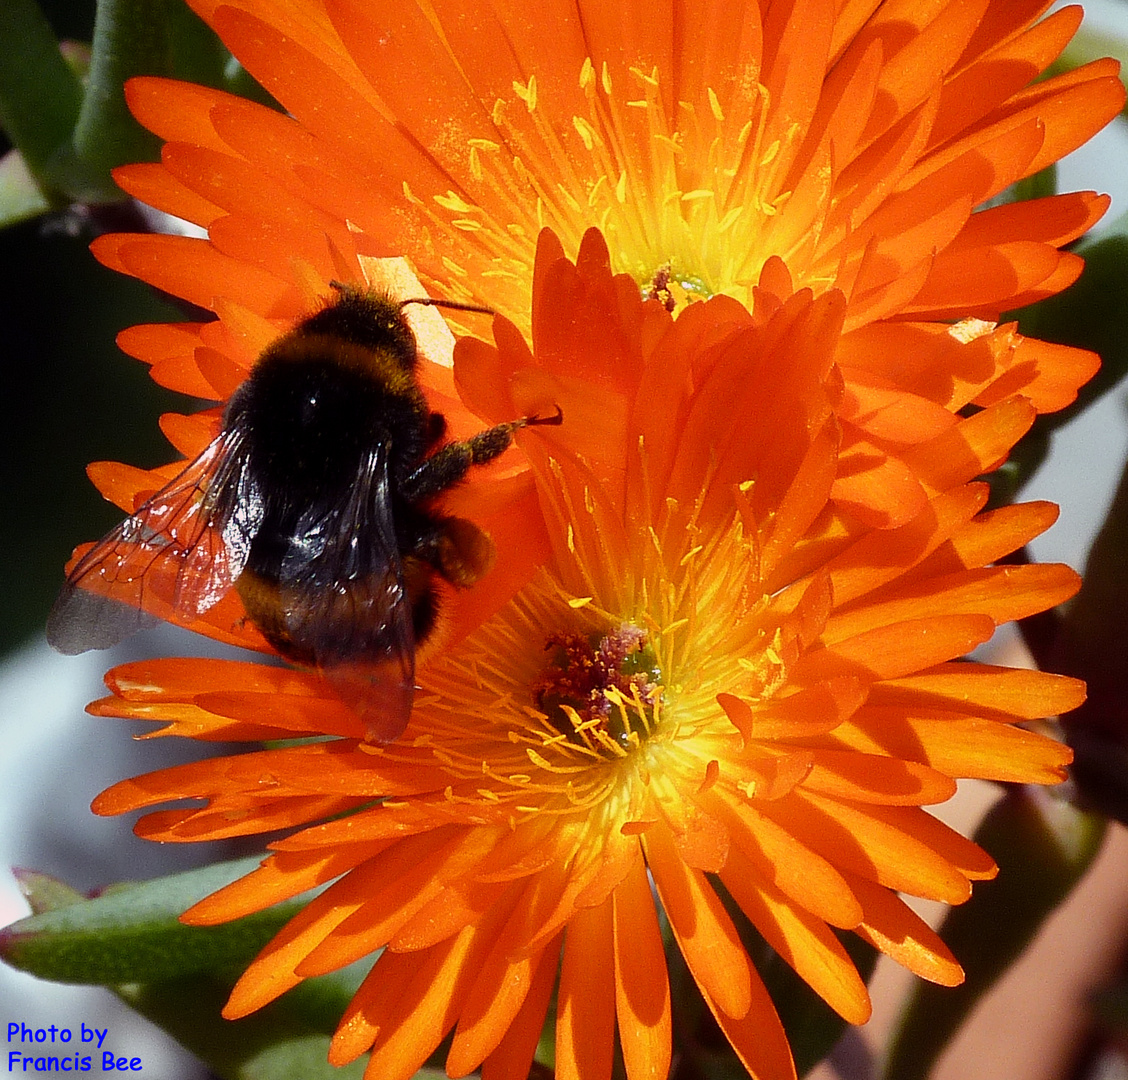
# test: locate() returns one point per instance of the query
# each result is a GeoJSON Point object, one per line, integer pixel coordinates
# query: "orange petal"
{"type": "Point", "coordinates": [889, 652]}
{"type": "Point", "coordinates": [802, 939]}
{"type": "Point", "coordinates": [1001, 592]}
{"type": "Point", "coordinates": [957, 745]}
{"type": "Point", "coordinates": [896, 846]}
{"type": "Point", "coordinates": [884, 781]}
{"type": "Point", "coordinates": [1011, 692]}
{"type": "Point", "coordinates": [193, 270]}
{"type": "Point", "coordinates": [154, 185]}
{"type": "Point", "coordinates": [706, 935]}
{"type": "Point", "coordinates": [891, 926]}
{"type": "Point", "coordinates": [791, 865]}
{"type": "Point", "coordinates": [585, 1017]}
{"type": "Point", "coordinates": [514, 1056]}
{"type": "Point", "coordinates": [642, 989]}
{"type": "Point", "coordinates": [758, 1037]}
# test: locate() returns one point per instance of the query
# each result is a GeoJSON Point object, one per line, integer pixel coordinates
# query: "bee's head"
{"type": "Point", "coordinates": [453, 305]}
{"type": "Point", "coordinates": [374, 321]}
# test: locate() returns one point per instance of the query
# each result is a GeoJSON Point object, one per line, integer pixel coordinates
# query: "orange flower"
{"type": "Point", "coordinates": [722, 150]}
{"type": "Point", "coordinates": [853, 141]}
{"type": "Point", "coordinates": [717, 670]}
{"type": "Point", "coordinates": [733, 588]}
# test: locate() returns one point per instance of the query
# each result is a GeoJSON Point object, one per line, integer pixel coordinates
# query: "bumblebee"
{"type": "Point", "coordinates": [316, 503]}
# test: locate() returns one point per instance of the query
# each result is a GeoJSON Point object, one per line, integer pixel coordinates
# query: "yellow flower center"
{"type": "Point", "coordinates": [690, 199]}
{"type": "Point", "coordinates": [674, 293]}
{"type": "Point", "coordinates": [606, 681]}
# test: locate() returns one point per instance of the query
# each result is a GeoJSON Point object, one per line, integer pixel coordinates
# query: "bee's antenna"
{"type": "Point", "coordinates": [557, 418]}
{"type": "Point", "coordinates": [454, 305]}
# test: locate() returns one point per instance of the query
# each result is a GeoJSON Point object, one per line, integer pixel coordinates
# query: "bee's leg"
{"type": "Point", "coordinates": [457, 549]}
{"type": "Point", "coordinates": [451, 463]}
{"type": "Point", "coordinates": [436, 427]}
{"type": "Point", "coordinates": [460, 551]}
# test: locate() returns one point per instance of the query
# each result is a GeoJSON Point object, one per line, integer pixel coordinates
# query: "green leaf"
{"type": "Point", "coordinates": [141, 37]}
{"type": "Point", "coordinates": [180, 977]}
{"type": "Point", "coordinates": [1111, 1009]}
{"type": "Point", "coordinates": [1091, 314]}
{"type": "Point", "coordinates": [44, 892]}
{"type": "Point", "coordinates": [302, 1058]}
{"type": "Point", "coordinates": [238, 80]}
{"type": "Point", "coordinates": [1092, 644]}
{"type": "Point", "coordinates": [286, 1040]}
{"type": "Point", "coordinates": [40, 96]}
{"type": "Point", "coordinates": [1029, 452]}
{"type": "Point", "coordinates": [70, 139]}
{"type": "Point", "coordinates": [131, 37]}
{"type": "Point", "coordinates": [1039, 186]}
{"type": "Point", "coordinates": [131, 932]}
{"type": "Point", "coordinates": [20, 194]}
{"type": "Point", "coordinates": [1043, 846]}
{"type": "Point", "coordinates": [1088, 45]}
{"type": "Point", "coordinates": [199, 56]}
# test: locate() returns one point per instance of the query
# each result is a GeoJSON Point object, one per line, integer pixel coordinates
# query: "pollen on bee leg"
{"type": "Point", "coordinates": [465, 552]}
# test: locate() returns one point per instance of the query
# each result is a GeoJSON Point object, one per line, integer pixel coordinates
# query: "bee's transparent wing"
{"type": "Point", "coordinates": [178, 553]}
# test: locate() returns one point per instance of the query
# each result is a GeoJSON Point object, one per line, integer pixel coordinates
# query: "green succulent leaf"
{"type": "Point", "coordinates": [1111, 1009]}
{"type": "Point", "coordinates": [45, 893]}
{"type": "Point", "coordinates": [1091, 314]}
{"type": "Point", "coordinates": [40, 96]}
{"type": "Point", "coordinates": [20, 195]}
{"type": "Point", "coordinates": [131, 37]}
{"type": "Point", "coordinates": [131, 933]}
{"type": "Point", "coordinates": [1092, 644]}
{"type": "Point", "coordinates": [287, 1040]}
{"type": "Point", "coordinates": [1088, 45]}
{"type": "Point", "coordinates": [179, 977]}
